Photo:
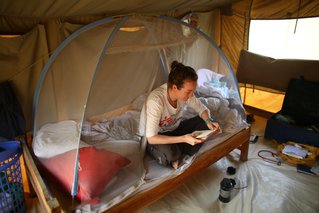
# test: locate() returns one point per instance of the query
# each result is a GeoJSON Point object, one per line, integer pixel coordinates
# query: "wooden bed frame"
{"type": "Point", "coordinates": [50, 203]}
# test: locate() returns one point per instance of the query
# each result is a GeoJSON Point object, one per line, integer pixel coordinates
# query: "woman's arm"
{"type": "Point", "coordinates": [165, 139]}
{"type": "Point", "coordinates": [210, 121]}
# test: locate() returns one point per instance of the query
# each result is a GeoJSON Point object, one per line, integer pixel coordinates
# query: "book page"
{"type": "Point", "coordinates": [204, 134]}
{"type": "Point", "coordinates": [201, 134]}
{"type": "Point", "coordinates": [295, 151]}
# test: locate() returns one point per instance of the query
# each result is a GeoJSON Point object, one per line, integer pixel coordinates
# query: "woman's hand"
{"type": "Point", "coordinates": [213, 126]}
{"type": "Point", "coordinates": [190, 139]}
{"type": "Point", "coordinates": [210, 121]}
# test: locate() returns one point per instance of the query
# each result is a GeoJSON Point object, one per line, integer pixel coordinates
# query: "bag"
{"type": "Point", "coordinates": [12, 122]}
{"type": "Point", "coordinates": [301, 102]}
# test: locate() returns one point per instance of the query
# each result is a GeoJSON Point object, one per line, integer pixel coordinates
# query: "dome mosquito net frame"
{"type": "Point", "coordinates": [90, 93]}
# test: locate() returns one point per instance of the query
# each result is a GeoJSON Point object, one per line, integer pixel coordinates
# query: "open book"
{"type": "Point", "coordinates": [205, 134]}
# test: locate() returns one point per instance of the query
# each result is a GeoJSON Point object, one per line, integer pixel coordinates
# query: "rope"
{"type": "Point", "coordinates": [273, 159]}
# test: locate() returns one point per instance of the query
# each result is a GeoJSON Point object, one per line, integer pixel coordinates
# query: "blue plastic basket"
{"type": "Point", "coordinates": [11, 185]}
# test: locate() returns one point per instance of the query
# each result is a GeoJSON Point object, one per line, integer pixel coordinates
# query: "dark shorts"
{"type": "Point", "coordinates": [165, 154]}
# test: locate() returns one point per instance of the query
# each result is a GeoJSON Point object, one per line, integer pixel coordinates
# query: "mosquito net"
{"type": "Point", "coordinates": [88, 101]}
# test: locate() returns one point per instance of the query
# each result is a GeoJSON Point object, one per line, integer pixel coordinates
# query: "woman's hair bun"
{"type": "Point", "coordinates": [174, 65]}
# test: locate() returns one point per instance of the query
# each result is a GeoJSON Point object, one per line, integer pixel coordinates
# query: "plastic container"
{"type": "Point", "coordinates": [11, 184]}
{"type": "Point", "coordinates": [310, 160]}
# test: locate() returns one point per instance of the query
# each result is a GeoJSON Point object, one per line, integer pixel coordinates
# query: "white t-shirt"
{"type": "Point", "coordinates": [159, 116]}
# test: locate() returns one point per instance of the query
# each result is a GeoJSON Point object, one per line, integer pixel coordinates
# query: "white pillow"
{"type": "Point", "coordinates": [205, 75]}
{"type": "Point", "coordinates": [56, 138]}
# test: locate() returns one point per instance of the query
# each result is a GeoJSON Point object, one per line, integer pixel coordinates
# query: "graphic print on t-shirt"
{"type": "Point", "coordinates": [170, 119]}
{"type": "Point", "coordinates": [167, 121]}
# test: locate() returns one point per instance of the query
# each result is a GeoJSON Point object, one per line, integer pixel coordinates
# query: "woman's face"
{"type": "Point", "coordinates": [186, 91]}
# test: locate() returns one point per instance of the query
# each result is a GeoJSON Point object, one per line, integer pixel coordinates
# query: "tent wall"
{"type": "Point", "coordinates": [22, 16]}
{"type": "Point", "coordinates": [21, 60]}
{"type": "Point", "coordinates": [235, 22]}
{"type": "Point", "coordinates": [44, 25]}
{"type": "Point", "coordinates": [234, 34]}
{"type": "Point", "coordinates": [264, 9]}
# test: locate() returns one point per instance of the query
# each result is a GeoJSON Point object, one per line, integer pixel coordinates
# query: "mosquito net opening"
{"type": "Point", "coordinates": [90, 95]}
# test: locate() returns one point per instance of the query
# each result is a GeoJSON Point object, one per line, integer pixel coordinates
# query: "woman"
{"type": "Point", "coordinates": [169, 138]}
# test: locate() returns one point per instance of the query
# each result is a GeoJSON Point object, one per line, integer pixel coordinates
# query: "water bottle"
{"type": "Point", "coordinates": [226, 186]}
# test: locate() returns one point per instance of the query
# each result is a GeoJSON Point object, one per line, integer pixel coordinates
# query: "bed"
{"type": "Point", "coordinates": [149, 182]}
{"type": "Point", "coordinates": [51, 203]}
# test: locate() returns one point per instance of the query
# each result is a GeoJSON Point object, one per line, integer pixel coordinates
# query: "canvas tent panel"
{"type": "Point", "coordinates": [280, 9]}
{"type": "Point", "coordinates": [65, 90]}
{"type": "Point", "coordinates": [138, 79]}
{"type": "Point", "coordinates": [22, 59]}
{"type": "Point", "coordinates": [24, 16]}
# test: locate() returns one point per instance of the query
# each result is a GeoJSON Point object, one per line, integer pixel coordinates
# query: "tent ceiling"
{"type": "Point", "coordinates": [42, 10]}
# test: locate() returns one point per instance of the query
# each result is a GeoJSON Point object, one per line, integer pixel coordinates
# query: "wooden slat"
{"type": "Point", "coordinates": [259, 112]}
{"type": "Point", "coordinates": [47, 202]}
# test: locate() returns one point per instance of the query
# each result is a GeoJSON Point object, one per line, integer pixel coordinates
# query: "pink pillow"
{"type": "Point", "coordinates": [96, 169]}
